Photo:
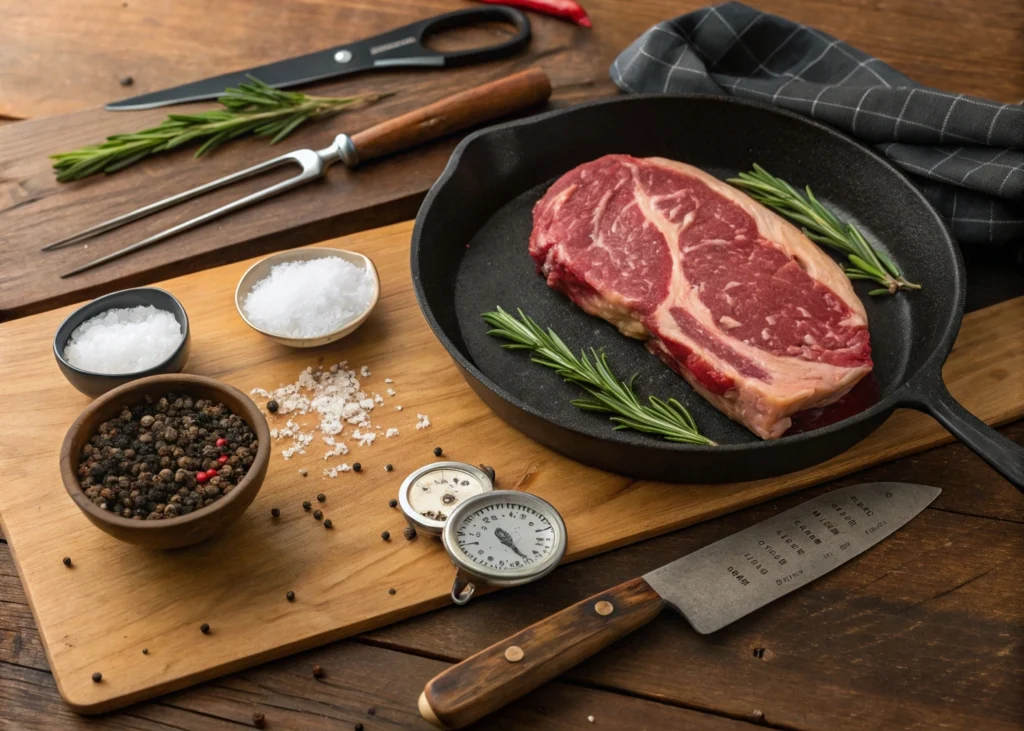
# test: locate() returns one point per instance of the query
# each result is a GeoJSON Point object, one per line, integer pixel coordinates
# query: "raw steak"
{"type": "Point", "coordinates": [732, 297]}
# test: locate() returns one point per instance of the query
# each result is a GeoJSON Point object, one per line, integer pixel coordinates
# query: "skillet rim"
{"type": "Point", "coordinates": [902, 395]}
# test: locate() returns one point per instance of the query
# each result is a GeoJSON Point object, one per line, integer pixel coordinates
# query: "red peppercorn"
{"type": "Point", "coordinates": [222, 459]}
{"type": "Point", "coordinates": [211, 473]}
{"type": "Point", "coordinates": [222, 442]}
{"type": "Point", "coordinates": [202, 477]}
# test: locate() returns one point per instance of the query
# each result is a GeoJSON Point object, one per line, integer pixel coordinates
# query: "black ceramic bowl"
{"type": "Point", "coordinates": [95, 384]}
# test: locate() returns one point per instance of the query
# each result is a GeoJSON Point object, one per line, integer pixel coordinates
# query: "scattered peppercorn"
{"type": "Point", "coordinates": [357, 467]}
{"type": "Point", "coordinates": [318, 514]}
{"type": "Point", "coordinates": [204, 628]}
{"type": "Point", "coordinates": [306, 505]}
{"type": "Point", "coordinates": [127, 80]}
{"type": "Point", "coordinates": [290, 596]}
{"type": "Point", "coordinates": [358, 726]}
{"type": "Point", "coordinates": [303, 473]}
{"type": "Point", "coordinates": [321, 498]}
{"type": "Point", "coordinates": [159, 458]}
{"type": "Point", "coordinates": [67, 561]}
{"type": "Point", "coordinates": [276, 512]}
{"type": "Point", "coordinates": [409, 532]}
{"type": "Point", "coordinates": [488, 470]}
{"type": "Point", "coordinates": [97, 677]}
{"type": "Point", "coordinates": [272, 407]}
{"type": "Point", "coordinates": [438, 451]}
{"type": "Point", "coordinates": [372, 711]}
{"type": "Point", "coordinates": [318, 672]}
{"type": "Point", "coordinates": [145, 650]}
{"type": "Point", "coordinates": [328, 524]}
{"type": "Point", "coordinates": [388, 467]}
{"type": "Point", "coordinates": [392, 591]}
{"type": "Point", "coordinates": [386, 535]}
{"type": "Point", "coordinates": [392, 503]}
{"type": "Point", "coordinates": [258, 719]}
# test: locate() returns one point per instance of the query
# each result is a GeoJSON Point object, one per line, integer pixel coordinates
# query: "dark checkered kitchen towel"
{"type": "Point", "coordinates": [966, 154]}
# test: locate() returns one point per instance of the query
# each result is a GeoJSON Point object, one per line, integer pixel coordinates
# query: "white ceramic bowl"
{"type": "Point", "coordinates": [261, 269]}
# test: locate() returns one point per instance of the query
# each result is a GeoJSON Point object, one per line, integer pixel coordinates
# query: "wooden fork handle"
{"type": "Point", "coordinates": [455, 113]}
{"type": "Point", "coordinates": [513, 667]}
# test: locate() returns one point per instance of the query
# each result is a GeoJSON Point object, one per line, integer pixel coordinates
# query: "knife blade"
{"type": "Point", "coordinates": [711, 588]}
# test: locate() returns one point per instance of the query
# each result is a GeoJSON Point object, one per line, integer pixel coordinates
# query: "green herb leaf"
{"type": "Point", "coordinates": [605, 393]}
{"type": "Point", "coordinates": [252, 108]}
{"type": "Point", "coordinates": [823, 227]}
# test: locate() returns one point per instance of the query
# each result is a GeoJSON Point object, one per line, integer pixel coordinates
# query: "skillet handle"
{"type": "Point", "coordinates": [1005, 456]}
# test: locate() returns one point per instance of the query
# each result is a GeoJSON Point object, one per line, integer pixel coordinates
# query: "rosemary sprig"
{"type": "Point", "coordinates": [252, 108]}
{"type": "Point", "coordinates": [823, 227]}
{"type": "Point", "coordinates": [606, 393]}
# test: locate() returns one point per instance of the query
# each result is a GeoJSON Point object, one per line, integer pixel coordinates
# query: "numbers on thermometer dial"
{"type": "Point", "coordinates": [505, 536]}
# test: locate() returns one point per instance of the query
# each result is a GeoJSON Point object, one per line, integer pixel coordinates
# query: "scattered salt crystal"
{"type": "Point", "coordinates": [364, 371]}
{"type": "Point", "coordinates": [388, 380]}
{"type": "Point", "coordinates": [391, 392]}
{"type": "Point", "coordinates": [124, 340]}
{"type": "Point", "coordinates": [398, 408]}
{"type": "Point", "coordinates": [306, 299]}
{"type": "Point", "coordinates": [422, 421]}
{"type": "Point", "coordinates": [392, 432]}
{"type": "Point", "coordinates": [378, 399]}
{"type": "Point", "coordinates": [590, 718]}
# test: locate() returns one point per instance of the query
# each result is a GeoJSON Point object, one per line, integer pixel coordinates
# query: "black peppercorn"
{"type": "Point", "coordinates": [318, 672]}
{"type": "Point", "coordinates": [272, 407]}
{"type": "Point", "coordinates": [392, 503]}
{"type": "Point", "coordinates": [386, 535]}
{"type": "Point", "coordinates": [357, 467]}
{"type": "Point", "coordinates": [321, 498]}
{"type": "Point", "coordinates": [276, 512]}
{"type": "Point", "coordinates": [67, 561]}
{"type": "Point", "coordinates": [127, 81]}
{"type": "Point", "coordinates": [318, 514]}
{"type": "Point", "coordinates": [438, 451]}
{"type": "Point", "coordinates": [97, 677]}
{"type": "Point", "coordinates": [409, 532]}
{"type": "Point", "coordinates": [258, 720]}
{"type": "Point", "coordinates": [306, 505]}
{"type": "Point", "coordinates": [145, 650]}
{"type": "Point", "coordinates": [328, 524]}
{"type": "Point", "coordinates": [372, 711]}
{"type": "Point", "coordinates": [392, 591]}
{"type": "Point", "coordinates": [204, 628]}
{"type": "Point", "coordinates": [358, 726]}
{"type": "Point", "coordinates": [388, 467]}
{"type": "Point", "coordinates": [488, 470]}
{"type": "Point", "coordinates": [290, 596]}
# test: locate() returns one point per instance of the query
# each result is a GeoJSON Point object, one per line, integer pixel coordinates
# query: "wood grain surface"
{"type": "Point", "coordinates": [69, 55]}
{"type": "Point", "coordinates": [237, 582]}
{"type": "Point", "coordinates": [922, 635]}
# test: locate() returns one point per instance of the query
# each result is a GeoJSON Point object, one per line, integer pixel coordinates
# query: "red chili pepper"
{"type": "Point", "coordinates": [568, 9]}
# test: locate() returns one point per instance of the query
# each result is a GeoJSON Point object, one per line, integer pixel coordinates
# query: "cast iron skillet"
{"type": "Point", "coordinates": [469, 253]}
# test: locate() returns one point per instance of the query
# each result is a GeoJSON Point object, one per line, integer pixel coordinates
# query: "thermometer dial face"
{"type": "Point", "coordinates": [505, 538]}
{"type": "Point", "coordinates": [430, 494]}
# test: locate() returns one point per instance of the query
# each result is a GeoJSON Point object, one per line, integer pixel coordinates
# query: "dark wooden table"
{"type": "Point", "coordinates": [924, 631]}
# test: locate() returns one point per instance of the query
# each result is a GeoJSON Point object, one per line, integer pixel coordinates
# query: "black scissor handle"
{"type": "Point", "coordinates": [404, 46]}
{"type": "Point", "coordinates": [472, 16]}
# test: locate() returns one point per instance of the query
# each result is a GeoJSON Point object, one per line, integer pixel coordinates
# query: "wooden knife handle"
{"type": "Point", "coordinates": [454, 113]}
{"type": "Point", "coordinates": [513, 667]}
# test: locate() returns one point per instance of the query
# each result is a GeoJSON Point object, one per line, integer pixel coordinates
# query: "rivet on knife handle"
{"type": "Point", "coordinates": [483, 103]}
{"type": "Point", "coordinates": [518, 664]}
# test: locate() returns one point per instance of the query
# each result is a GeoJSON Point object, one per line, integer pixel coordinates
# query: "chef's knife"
{"type": "Point", "coordinates": [401, 47]}
{"type": "Point", "coordinates": [711, 587]}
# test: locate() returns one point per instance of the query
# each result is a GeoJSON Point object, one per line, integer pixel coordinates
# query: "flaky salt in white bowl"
{"type": "Point", "coordinates": [307, 299]}
{"type": "Point", "coordinates": [124, 340]}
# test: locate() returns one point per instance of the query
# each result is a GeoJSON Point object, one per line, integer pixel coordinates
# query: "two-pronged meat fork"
{"type": "Point", "coordinates": [452, 114]}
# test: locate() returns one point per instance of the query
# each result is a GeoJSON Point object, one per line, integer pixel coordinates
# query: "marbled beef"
{"type": "Point", "coordinates": [735, 299]}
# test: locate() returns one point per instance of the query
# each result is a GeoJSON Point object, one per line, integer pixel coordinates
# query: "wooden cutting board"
{"type": "Point", "coordinates": [118, 599]}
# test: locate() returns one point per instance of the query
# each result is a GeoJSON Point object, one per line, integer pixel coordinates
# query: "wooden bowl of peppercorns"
{"type": "Point", "coordinates": [166, 461]}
